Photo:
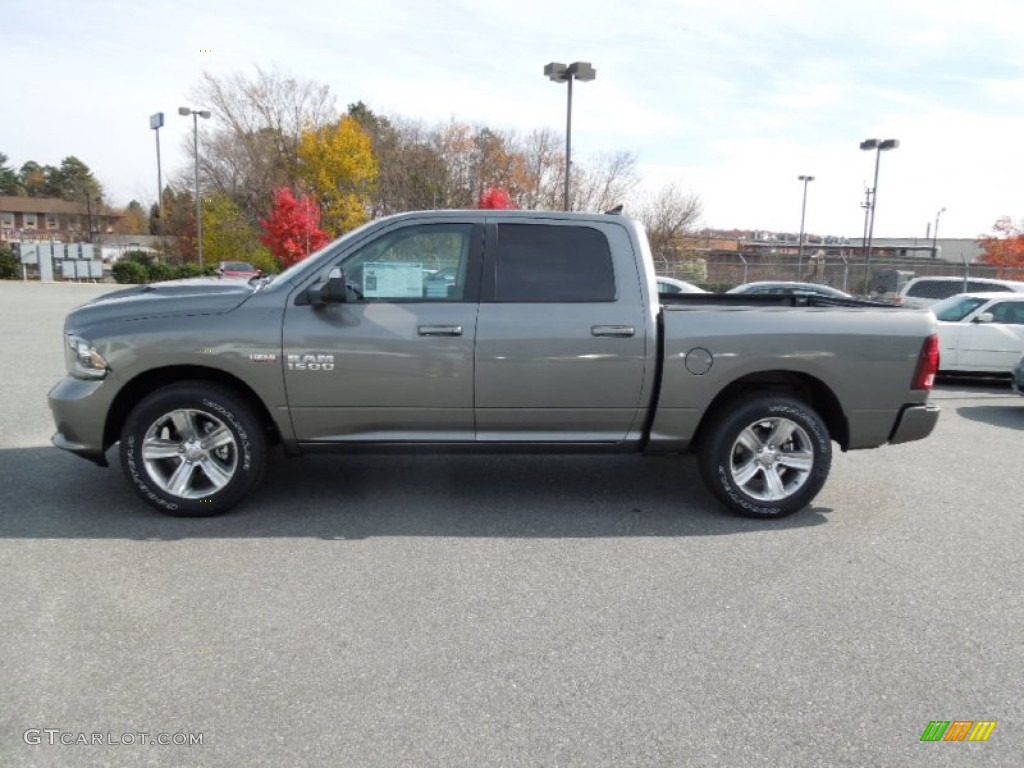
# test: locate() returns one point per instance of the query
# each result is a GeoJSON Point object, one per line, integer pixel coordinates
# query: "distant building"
{"type": "Point", "coordinates": [954, 250]}
{"type": "Point", "coordinates": [36, 219]}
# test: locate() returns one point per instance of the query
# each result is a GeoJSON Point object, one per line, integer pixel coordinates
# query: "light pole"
{"type": "Point", "coordinates": [879, 146]}
{"type": "Point", "coordinates": [935, 233]}
{"type": "Point", "coordinates": [803, 215]}
{"type": "Point", "coordinates": [560, 73]}
{"type": "Point", "coordinates": [196, 114]}
{"type": "Point", "coordinates": [156, 122]}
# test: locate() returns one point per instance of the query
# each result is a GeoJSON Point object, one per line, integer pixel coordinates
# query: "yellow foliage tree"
{"type": "Point", "coordinates": [227, 236]}
{"type": "Point", "coordinates": [337, 165]}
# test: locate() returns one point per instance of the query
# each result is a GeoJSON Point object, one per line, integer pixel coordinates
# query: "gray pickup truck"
{"type": "Point", "coordinates": [485, 330]}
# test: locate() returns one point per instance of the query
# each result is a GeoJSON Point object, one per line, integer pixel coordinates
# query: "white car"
{"type": "Point", "coordinates": [980, 332]}
{"type": "Point", "coordinates": [922, 292]}
{"type": "Point", "coordinates": [671, 285]}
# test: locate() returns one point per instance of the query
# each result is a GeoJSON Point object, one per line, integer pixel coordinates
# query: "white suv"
{"type": "Point", "coordinates": [925, 291]}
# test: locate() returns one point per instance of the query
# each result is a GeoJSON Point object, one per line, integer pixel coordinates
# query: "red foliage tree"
{"type": "Point", "coordinates": [292, 231]}
{"type": "Point", "coordinates": [495, 197]}
{"type": "Point", "coordinates": [1005, 248]}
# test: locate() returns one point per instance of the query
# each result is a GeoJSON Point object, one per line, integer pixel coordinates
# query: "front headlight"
{"type": "Point", "coordinates": [83, 360]}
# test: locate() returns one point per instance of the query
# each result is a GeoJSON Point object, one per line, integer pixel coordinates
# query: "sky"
{"type": "Point", "coordinates": [730, 99]}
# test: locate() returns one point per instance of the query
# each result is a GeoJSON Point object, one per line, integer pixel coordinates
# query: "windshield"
{"type": "Point", "coordinates": [956, 308]}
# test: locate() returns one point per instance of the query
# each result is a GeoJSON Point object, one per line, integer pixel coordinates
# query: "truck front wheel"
{"type": "Point", "coordinates": [193, 449]}
{"type": "Point", "coordinates": [767, 457]}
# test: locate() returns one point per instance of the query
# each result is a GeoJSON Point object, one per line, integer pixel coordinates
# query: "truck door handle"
{"type": "Point", "coordinates": [440, 330]}
{"type": "Point", "coordinates": [616, 331]}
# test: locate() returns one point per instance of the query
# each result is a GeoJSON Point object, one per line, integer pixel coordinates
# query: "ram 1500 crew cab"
{"type": "Point", "coordinates": [485, 330]}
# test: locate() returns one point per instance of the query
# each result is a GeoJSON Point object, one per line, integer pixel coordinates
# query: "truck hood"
{"type": "Point", "coordinates": [196, 296]}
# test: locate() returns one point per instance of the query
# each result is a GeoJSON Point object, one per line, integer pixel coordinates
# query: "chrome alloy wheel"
{"type": "Point", "coordinates": [190, 454]}
{"type": "Point", "coordinates": [771, 459]}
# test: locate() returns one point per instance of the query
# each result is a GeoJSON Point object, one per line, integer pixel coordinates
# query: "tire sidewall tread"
{"type": "Point", "coordinates": [219, 402]}
{"type": "Point", "coordinates": [715, 452]}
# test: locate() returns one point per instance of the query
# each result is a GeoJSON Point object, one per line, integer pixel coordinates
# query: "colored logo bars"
{"type": "Point", "coordinates": [958, 730]}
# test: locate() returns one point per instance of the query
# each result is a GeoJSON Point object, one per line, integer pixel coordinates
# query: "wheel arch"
{"type": "Point", "coordinates": [801, 386]}
{"type": "Point", "coordinates": [134, 391]}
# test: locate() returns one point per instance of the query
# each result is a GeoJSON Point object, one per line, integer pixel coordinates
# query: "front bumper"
{"type": "Point", "coordinates": [79, 410]}
{"type": "Point", "coordinates": [915, 422]}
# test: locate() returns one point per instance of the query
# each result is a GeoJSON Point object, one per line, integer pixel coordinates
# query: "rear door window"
{"type": "Point", "coordinates": [937, 289]}
{"type": "Point", "coordinates": [976, 287]}
{"type": "Point", "coordinates": [541, 262]}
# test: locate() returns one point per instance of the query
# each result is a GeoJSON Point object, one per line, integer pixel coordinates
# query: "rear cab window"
{"type": "Point", "coordinates": [543, 263]}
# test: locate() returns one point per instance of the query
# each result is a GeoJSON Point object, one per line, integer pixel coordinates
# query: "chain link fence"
{"type": "Point", "coordinates": [719, 271]}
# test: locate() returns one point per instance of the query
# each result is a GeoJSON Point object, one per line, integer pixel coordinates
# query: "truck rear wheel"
{"type": "Point", "coordinates": [767, 457]}
{"type": "Point", "coordinates": [193, 449]}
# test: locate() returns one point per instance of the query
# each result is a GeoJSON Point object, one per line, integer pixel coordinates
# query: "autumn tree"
{"type": "Point", "coordinates": [496, 198]}
{"type": "Point", "coordinates": [544, 170]}
{"type": "Point", "coordinates": [32, 177]}
{"type": "Point", "coordinates": [1005, 248]}
{"type": "Point", "coordinates": [671, 215]}
{"type": "Point", "coordinates": [10, 184]}
{"type": "Point", "coordinates": [251, 148]}
{"type": "Point", "coordinates": [179, 225]}
{"type": "Point", "coordinates": [133, 220]}
{"type": "Point", "coordinates": [73, 180]}
{"type": "Point", "coordinates": [411, 172]}
{"type": "Point", "coordinates": [605, 182]}
{"type": "Point", "coordinates": [336, 163]}
{"type": "Point", "coordinates": [292, 231]}
{"type": "Point", "coordinates": [229, 236]}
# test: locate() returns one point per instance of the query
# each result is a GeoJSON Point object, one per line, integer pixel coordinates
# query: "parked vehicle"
{"type": "Point", "coordinates": [777, 287]}
{"type": "Point", "coordinates": [672, 285]}
{"type": "Point", "coordinates": [551, 337]}
{"type": "Point", "coordinates": [1018, 377]}
{"type": "Point", "coordinates": [922, 292]}
{"type": "Point", "coordinates": [237, 269]}
{"type": "Point", "coordinates": [980, 332]}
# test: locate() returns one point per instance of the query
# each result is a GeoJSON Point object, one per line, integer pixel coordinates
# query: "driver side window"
{"type": "Point", "coordinates": [428, 262]}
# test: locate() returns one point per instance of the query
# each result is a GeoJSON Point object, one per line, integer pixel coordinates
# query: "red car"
{"type": "Point", "coordinates": [239, 269]}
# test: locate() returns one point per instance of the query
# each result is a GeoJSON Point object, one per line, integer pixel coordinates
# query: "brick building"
{"type": "Point", "coordinates": [29, 219]}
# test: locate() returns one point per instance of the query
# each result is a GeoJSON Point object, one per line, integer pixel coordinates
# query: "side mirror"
{"type": "Point", "coordinates": [984, 317]}
{"type": "Point", "coordinates": [333, 291]}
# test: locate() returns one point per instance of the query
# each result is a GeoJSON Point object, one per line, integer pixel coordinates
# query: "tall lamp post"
{"type": "Point", "coordinates": [803, 215]}
{"type": "Point", "coordinates": [879, 146]}
{"type": "Point", "coordinates": [156, 122]}
{"type": "Point", "coordinates": [560, 73]}
{"type": "Point", "coordinates": [935, 233]}
{"type": "Point", "coordinates": [196, 114]}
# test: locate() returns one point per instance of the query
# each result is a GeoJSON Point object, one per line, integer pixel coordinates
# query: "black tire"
{"type": "Point", "coordinates": [754, 474]}
{"type": "Point", "coordinates": [206, 450]}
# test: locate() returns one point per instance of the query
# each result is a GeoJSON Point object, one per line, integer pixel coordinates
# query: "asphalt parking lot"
{"type": "Point", "coordinates": [507, 611]}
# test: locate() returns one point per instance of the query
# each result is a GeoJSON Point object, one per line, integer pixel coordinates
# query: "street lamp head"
{"type": "Point", "coordinates": [582, 70]}
{"type": "Point", "coordinates": [806, 178]}
{"type": "Point", "coordinates": [869, 144]}
{"type": "Point", "coordinates": [556, 72]}
{"type": "Point", "coordinates": [184, 111]}
{"type": "Point", "coordinates": [203, 113]}
{"type": "Point", "coordinates": [889, 144]}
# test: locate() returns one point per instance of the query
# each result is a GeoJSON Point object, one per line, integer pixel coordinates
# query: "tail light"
{"type": "Point", "coordinates": [927, 364]}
